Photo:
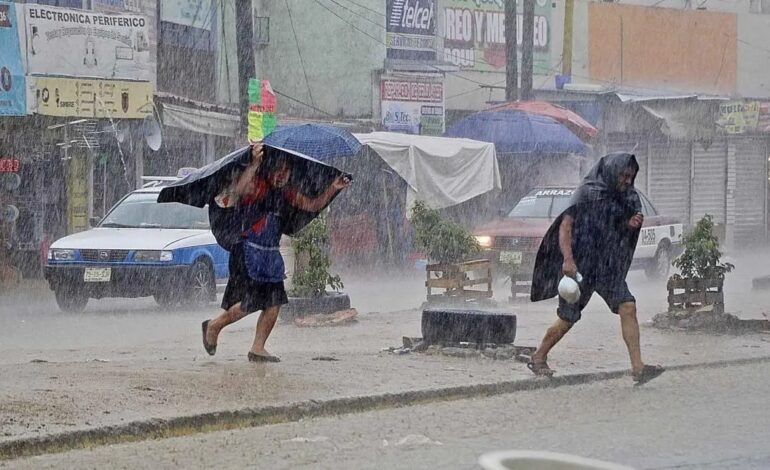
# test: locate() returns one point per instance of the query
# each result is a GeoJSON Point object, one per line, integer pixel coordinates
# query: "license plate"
{"type": "Point", "coordinates": [510, 257]}
{"type": "Point", "coordinates": [97, 275]}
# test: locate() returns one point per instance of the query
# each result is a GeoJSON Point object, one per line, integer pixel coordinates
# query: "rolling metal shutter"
{"type": "Point", "coordinates": [709, 182]}
{"type": "Point", "coordinates": [750, 190]}
{"type": "Point", "coordinates": [669, 178]}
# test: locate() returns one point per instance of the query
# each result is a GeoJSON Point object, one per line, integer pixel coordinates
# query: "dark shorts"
{"type": "Point", "coordinates": [253, 295]}
{"type": "Point", "coordinates": [614, 294]}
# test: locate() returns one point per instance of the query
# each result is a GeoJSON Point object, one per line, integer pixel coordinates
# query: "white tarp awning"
{"type": "Point", "coordinates": [200, 120]}
{"type": "Point", "coordinates": [441, 171]}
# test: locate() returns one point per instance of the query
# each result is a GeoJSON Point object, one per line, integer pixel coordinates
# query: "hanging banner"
{"type": "Point", "coordinates": [13, 93]}
{"type": "Point", "coordinates": [413, 106]}
{"type": "Point", "coordinates": [77, 194]}
{"type": "Point", "coordinates": [74, 97]}
{"type": "Point", "coordinates": [192, 13]}
{"type": "Point", "coordinates": [474, 34]}
{"type": "Point", "coordinates": [262, 105]}
{"type": "Point", "coordinates": [410, 31]}
{"type": "Point", "coordinates": [81, 43]}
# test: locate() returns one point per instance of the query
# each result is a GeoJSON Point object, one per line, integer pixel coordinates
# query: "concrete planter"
{"type": "Point", "coordinates": [299, 307]}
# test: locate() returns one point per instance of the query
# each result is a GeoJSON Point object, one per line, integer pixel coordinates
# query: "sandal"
{"type": "Point", "coordinates": [540, 369]}
{"type": "Point", "coordinates": [648, 373]}
{"type": "Point", "coordinates": [262, 357]}
{"type": "Point", "coordinates": [210, 348]}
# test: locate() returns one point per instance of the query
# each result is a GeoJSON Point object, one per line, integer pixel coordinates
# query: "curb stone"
{"type": "Point", "coordinates": [254, 417]}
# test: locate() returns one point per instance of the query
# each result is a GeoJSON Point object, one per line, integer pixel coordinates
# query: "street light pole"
{"type": "Point", "coordinates": [527, 49]}
{"type": "Point", "coordinates": [246, 64]}
{"type": "Point", "coordinates": [512, 61]}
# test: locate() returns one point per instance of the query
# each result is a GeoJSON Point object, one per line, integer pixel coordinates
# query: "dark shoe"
{"type": "Point", "coordinates": [210, 348]}
{"type": "Point", "coordinates": [262, 358]}
{"type": "Point", "coordinates": [648, 373]}
{"type": "Point", "coordinates": [540, 369]}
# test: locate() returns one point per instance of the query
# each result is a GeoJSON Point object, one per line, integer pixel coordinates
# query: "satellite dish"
{"type": "Point", "coordinates": [121, 132]}
{"type": "Point", "coordinates": [152, 133]}
{"type": "Point", "coordinates": [10, 214]}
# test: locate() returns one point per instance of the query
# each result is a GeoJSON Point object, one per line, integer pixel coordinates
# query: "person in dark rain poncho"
{"type": "Point", "coordinates": [596, 237]}
{"type": "Point", "coordinates": [256, 199]}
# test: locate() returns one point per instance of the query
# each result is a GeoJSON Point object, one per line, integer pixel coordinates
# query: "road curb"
{"type": "Point", "coordinates": [253, 417]}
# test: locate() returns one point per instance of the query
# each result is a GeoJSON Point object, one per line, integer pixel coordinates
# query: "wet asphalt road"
{"type": "Point", "coordinates": [704, 419]}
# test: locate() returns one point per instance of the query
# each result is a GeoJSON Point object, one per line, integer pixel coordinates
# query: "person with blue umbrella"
{"type": "Point", "coordinates": [250, 215]}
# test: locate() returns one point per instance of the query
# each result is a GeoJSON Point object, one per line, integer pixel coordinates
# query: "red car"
{"type": "Point", "coordinates": [514, 238]}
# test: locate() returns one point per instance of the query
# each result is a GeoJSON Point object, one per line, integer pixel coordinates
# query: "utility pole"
{"type": "Point", "coordinates": [527, 48]}
{"type": "Point", "coordinates": [512, 61]}
{"type": "Point", "coordinates": [246, 65]}
{"type": "Point", "coordinates": [566, 51]}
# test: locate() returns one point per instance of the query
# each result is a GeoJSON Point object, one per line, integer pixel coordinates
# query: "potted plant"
{"type": "Point", "coordinates": [308, 292]}
{"type": "Point", "coordinates": [702, 272]}
{"type": "Point", "coordinates": [449, 247]}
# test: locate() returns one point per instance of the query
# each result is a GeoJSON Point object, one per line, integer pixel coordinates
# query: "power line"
{"type": "Point", "coordinates": [302, 62]}
{"type": "Point", "coordinates": [358, 14]}
{"type": "Point", "coordinates": [367, 8]}
{"type": "Point", "coordinates": [291, 98]}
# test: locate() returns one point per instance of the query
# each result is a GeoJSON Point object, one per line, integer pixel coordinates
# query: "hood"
{"type": "Point", "coordinates": [125, 238]}
{"type": "Point", "coordinates": [514, 227]}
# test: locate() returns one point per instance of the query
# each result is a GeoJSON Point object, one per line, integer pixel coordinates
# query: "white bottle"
{"type": "Point", "coordinates": [569, 289]}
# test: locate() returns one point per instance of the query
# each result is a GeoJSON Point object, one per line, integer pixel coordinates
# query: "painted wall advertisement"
{"type": "Point", "coordinates": [740, 117]}
{"type": "Point", "coordinates": [75, 97]}
{"type": "Point", "coordinates": [98, 45]}
{"type": "Point", "coordinates": [473, 33]}
{"type": "Point", "coordinates": [410, 31]}
{"type": "Point", "coordinates": [13, 94]}
{"type": "Point", "coordinates": [413, 106]}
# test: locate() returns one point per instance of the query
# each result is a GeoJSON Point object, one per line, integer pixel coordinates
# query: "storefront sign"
{"type": "Point", "coordinates": [739, 117]}
{"type": "Point", "coordinates": [81, 43]}
{"type": "Point", "coordinates": [413, 106]}
{"type": "Point", "coordinates": [193, 13]}
{"type": "Point", "coordinates": [13, 94]}
{"type": "Point", "coordinates": [116, 99]}
{"type": "Point", "coordinates": [474, 34]}
{"type": "Point", "coordinates": [410, 31]}
{"type": "Point", "coordinates": [10, 165]}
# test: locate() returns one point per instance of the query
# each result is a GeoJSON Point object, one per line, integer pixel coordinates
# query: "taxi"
{"type": "Point", "coordinates": [140, 248]}
{"type": "Point", "coordinates": [514, 238]}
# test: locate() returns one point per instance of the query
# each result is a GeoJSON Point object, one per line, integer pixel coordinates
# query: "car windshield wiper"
{"type": "Point", "coordinates": [115, 225]}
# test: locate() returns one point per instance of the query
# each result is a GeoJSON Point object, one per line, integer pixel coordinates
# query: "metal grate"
{"type": "Point", "coordinates": [103, 256]}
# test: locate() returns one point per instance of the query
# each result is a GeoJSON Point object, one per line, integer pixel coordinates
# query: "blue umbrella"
{"type": "Point", "coordinates": [320, 141]}
{"type": "Point", "coordinates": [518, 132]}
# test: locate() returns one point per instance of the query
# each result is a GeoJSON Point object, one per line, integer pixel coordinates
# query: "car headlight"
{"type": "Point", "coordinates": [58, 254]}
{"type": "Point", "coordinates": [153, 255]}
{"type": "Point", "coordinates": [484, 240]}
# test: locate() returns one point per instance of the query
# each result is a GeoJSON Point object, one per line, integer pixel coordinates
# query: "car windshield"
{"type": "Point", "coordinates": [142, 210]}
{"type": "Point", "coordinates": [542, 204]}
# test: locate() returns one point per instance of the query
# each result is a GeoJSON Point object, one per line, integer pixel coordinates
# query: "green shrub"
{"type": "Point", "coordinates": [701, 257]}
{"type": "Point", "coordinates": [442, 240]}
{"type": "Point", "coordinates": [312, 276]}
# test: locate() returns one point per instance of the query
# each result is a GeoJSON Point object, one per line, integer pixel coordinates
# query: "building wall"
{"type": "Point", "coordinates": [749, 66]}
{"type": "Point", "coordinates": [331, 63]}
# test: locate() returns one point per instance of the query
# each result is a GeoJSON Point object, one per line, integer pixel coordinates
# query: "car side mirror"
{"type": "Point", "coordinates": [94, 221]}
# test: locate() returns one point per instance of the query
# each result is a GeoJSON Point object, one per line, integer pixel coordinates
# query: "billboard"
{"type": "Point", "coordinates": [193, 13]}
{"type": "Point", "coordinates": [473, 34]}
{"type": "Point", "coordinates": [13, 94]}
{"type": "Point", "coordinates": [413, 106]}
{"type": "Point", "coordinates": [98, 45]}
{"type": "Point", "coordinates": [410, 32]}
{"type": "Point", "coordinates": [76, 97]}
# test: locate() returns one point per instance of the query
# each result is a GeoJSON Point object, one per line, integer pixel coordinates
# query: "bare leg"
{"type": "Point", "coordinates": [227, 317]}
{"type": "Point", "coordinates": [552, 336]}
{"type": "Point", "coordinates": [630, 327]}
{"type": "Point", "coordinates": [265, 326]}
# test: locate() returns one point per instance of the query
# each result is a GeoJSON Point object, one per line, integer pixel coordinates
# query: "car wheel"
{"type": "Point", "coordinates": [661, 264]}
{"type": "Point", "coordinates": [201, 286]}
{"type": "Point", "coordinates": [71, 301]}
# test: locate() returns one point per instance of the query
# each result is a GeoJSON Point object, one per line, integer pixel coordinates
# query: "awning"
{"type": "Point", "coordinates": [200, 120]}
{"type": "Point", "coordinates": [441, 171]}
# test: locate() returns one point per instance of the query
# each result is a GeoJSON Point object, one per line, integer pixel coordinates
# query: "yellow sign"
{"type": "Point", "coordinates": [77, 194]}
{"type": "Point", "coordinates": [74, 97]}
{"type": "Point", "coordinates": [739, 117]}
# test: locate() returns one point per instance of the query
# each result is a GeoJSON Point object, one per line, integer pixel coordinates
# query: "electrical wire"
{"type": "Point", "coordinates": [291, 98]}
{"type": "Point", "coordinates": [379, 25]}
{"type": "Point", "coordinates": [301, 61]}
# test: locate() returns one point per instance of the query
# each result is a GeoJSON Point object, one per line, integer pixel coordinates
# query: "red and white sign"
{"type": "Point", "coordinates": [413, 106]}
{"type": "Point", "coordinates": [10, 165]}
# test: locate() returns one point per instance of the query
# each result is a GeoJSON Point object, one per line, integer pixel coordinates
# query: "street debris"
{"type": "Point", "coordinates": [342, 317]}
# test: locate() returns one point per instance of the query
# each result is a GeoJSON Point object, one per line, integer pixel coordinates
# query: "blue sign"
{"type": "Point", "coordinates": [13, 89]}
{"type": "Point", "coordinates": [410, 32]}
